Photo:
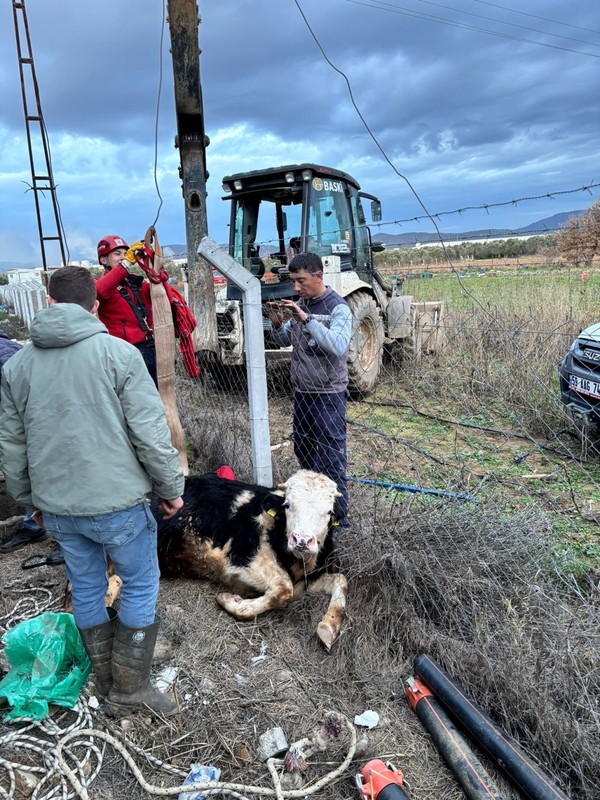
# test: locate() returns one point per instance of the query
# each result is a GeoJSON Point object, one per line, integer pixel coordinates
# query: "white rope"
{"type": "Point", "coordinates": [52, 783]}
{"type": "Point", "coordinates": [81, 771]}
{"type": "Point", "coordinates": [28, 607]}
{"type": "Point", "coordinates": [213, 787]}
{"type": "Point", "coordinates": [179, 771]}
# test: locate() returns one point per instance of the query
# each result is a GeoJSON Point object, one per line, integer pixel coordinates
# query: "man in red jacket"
{"type": "Point", "coordinates": [125, 306]}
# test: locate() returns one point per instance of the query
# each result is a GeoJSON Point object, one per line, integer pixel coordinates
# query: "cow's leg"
{"type": "Point", "coordinates": [114, 589]}
{"type": "Point", "coordinates": [276, 588]}
{"type": "Point", "coordinates": [112, 593]}
{"type": "Point", "coordinates": [336, 586]}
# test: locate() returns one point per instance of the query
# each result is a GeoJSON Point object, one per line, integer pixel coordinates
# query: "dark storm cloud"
{"type": "Point", "coordinates": [468, 117]}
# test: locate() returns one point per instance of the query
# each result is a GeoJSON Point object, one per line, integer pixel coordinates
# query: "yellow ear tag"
{"type": "Point", "coordinates": [272, 512]}
{"type": "Point", "coordinates": [335, 522]}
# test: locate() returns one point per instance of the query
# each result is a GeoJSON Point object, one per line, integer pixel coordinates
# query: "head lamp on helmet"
{"type": "Point", "coordinates": [110, 243]}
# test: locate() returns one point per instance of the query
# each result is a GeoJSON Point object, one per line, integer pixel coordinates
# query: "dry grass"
{"type": "Point", "coordinates": [475, 591]}
{"type": "Point", "coordinates": [474, 586]}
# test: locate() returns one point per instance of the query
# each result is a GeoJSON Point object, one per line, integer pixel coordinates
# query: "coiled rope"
{"type": "Point", "coordinates": [29, 606]}
{"type": "Point", "coordinates": [213, 787]}
{"type": "Point", "coordinates": [67, 773]}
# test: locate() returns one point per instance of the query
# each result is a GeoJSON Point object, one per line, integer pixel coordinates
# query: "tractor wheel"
{"type": "Point", "coordinates": [366, 343]}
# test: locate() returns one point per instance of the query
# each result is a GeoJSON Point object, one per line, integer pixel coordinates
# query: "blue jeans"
{"type": "Point", "coordinates": [320, 437]}
{"type": "Point", "coordinates": [129, 538]}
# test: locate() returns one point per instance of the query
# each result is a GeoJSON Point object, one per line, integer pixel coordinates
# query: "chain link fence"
{"type": "Point", "coordinates": [474, 504]}
{"type": "Point", "coordinates": [474, 496]}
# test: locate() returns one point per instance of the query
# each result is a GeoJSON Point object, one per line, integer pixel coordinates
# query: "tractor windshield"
{"type": "Point", "coordinates": [336, 223]}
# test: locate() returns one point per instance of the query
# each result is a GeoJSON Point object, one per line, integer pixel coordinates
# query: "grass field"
{"type": "Point", "coordinates": [552, 294]}
{"type": "Point", "coordinates": [507, 335]}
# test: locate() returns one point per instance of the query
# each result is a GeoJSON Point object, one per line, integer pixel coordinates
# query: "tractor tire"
{"type": "Point", "coordinates": [366, 344]}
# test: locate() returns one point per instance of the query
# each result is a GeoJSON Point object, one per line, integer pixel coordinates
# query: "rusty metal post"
{"type": "Point", "coordinates": [191, 140]}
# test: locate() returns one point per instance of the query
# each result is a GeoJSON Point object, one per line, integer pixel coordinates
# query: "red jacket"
{"type": "Point", "coordinates": [114, 310]}
{"type": "Point", "coordinates": [121, 320]}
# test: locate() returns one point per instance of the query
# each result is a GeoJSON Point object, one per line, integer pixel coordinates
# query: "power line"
{"type": "Point", "coordinates": [160, 76]}
{"type": "Point", "coordinates": [440, 20]}
{"type": "Point", "coordinates": [465, 289]}
{"type": "Point", "coordinates": [505, 22]}
{"type": "Point", "coordinates": [535, 16]}
{"type": "Point", "coordinates": [362, 119]}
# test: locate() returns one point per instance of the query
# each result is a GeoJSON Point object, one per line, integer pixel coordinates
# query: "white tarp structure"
{"type": "Point", "coordinates": [26, 299]}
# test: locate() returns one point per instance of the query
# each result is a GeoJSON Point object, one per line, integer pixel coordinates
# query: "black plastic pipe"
{"type": "Point", "coordinates": [527, 776]}
{"type": "Point", "coordinates": [469, 772]}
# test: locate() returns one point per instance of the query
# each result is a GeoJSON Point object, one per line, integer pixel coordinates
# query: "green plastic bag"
{"type": "Point", "coordinates": [48, 665]}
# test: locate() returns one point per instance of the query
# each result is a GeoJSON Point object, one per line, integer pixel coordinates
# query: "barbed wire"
{"type": "Point", "coordinates": [487, 206]}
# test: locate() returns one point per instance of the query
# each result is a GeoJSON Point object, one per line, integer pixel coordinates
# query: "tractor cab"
{"type": "Point", "coordinates": [278, 212]}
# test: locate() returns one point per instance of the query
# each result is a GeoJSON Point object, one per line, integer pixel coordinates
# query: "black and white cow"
{"type": "Point", "coordinates": [266, 545]}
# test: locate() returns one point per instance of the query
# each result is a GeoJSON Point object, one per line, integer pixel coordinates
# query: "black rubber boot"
{"type": "Point", "coordinates": [132, 653]}
{"type": "Point", "coordinates": [22, 538]}
{"type": "Point", "coordinates": [98, 643]}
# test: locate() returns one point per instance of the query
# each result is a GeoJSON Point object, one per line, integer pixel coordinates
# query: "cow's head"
{"type": "Point", "coordinates": [310, 507]}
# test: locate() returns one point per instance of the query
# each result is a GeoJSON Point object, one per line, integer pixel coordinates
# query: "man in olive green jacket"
{"type": "Point", "coordinates": [84, 439]}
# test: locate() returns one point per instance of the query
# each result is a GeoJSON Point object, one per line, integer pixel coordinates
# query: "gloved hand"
{"type": "Point", "coordinates": [130, 254]}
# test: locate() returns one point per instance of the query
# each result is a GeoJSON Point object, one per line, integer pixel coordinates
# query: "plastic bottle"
{"type": "Point", "coordinates": [199, 774]}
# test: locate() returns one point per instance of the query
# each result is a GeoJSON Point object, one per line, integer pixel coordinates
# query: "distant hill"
{"type": "Point", "coordinates": [546, 225]}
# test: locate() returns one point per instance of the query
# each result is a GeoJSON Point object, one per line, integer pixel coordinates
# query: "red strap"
{"type": "Point", "coordinates": [183, 319]}
{"type": "Point", "coordinates": [147, 265]}
{"type": "Point", "coordinates": [225, 472]}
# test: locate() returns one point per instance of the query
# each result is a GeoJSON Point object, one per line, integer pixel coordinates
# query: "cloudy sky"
{"type": "Point", "coordinates": [474, 102]}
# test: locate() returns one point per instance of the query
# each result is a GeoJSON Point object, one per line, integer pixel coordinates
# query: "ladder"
{"type": "Point", "coordinates": [42, 179]}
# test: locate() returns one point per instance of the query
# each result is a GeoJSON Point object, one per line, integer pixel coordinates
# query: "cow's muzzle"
{"type": "Point", "coordinates": [303, 546]}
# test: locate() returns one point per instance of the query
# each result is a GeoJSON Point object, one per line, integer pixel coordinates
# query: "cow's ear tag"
{"type": "Point", "coordinates": [272, 512]}
{"type": "Point", "coordinates": [335, 522]}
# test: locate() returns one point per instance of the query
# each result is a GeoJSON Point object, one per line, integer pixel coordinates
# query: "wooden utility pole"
{"type": "Point", "coordinates": [192, 143]}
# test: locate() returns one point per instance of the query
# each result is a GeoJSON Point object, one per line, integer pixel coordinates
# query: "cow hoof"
{"type": "Point", "coordinates": [326, 634]}
{"type": "Point", "coordinates": [226, 597]}
{"type": "Point", "coordinates": [230, 602]}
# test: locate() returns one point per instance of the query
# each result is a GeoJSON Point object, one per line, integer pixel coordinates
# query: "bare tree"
{"type": "Point", "coordinates": [579, 240]}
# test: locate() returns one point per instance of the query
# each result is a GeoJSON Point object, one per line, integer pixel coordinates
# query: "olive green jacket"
{"type": "Point", "coordinates": [82, 426]}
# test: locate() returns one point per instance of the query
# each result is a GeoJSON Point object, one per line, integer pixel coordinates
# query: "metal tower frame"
{"type": "Point", "coordinates": [41, 181]}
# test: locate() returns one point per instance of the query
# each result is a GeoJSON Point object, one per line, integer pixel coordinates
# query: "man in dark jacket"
{"type": "Point", "coordinates": [30, 532]}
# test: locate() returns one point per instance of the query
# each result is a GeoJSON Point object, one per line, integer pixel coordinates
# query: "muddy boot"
{"type": "Point", "coordinates": [98, 643]}
{"type": "Point", "coordinates": [131, 661]}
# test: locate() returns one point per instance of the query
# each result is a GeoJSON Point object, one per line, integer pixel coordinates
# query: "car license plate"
{"type": "Point", "coordinates": [584, 386]}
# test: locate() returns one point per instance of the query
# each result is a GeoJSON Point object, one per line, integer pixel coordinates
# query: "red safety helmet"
{"type": "Point", "coordinates": [110, 243]}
